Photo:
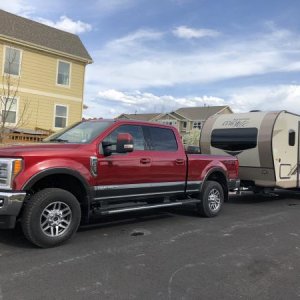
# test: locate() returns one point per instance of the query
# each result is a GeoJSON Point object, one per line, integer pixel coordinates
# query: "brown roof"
{"type": "Point", "coordinates": [176, 115]}
{"type": "Point", "coordinates": [139, 117]}
{"type": "Point", "coordinates": [32, 32]}
{"type": "Point", "coordinates": [199, 113]}
{"type": "Point", "coordinates": [172, 115]}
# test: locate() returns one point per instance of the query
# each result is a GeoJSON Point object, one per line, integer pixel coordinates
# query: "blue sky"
{"type": "Point", "coordinates": [156, 56]}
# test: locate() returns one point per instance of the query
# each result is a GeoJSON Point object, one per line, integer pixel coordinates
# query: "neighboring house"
{"type": "Point", "coordinates": [140, 117]}
{"type": "Point", "coordinates": [46, 66]}
{"type": "Point", "coordinates": [185, 119]}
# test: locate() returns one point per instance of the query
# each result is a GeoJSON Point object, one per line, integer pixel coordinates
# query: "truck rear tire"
{"type": "Point", "coordinates": [212, 199]}
{"type": "Point", "coordinates": [51, 217]}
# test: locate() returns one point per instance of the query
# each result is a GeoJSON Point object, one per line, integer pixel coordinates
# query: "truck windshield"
{"type": "Point", "coordinates": [82, 132]}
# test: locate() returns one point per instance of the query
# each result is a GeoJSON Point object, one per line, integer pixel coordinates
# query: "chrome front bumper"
{"type": "Point", "coordinates": [10, 207]}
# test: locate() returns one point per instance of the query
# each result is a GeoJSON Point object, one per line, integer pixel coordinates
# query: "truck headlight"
{"type": "Point", "coordinates": [4, 173]}
{"type": "Point", "coordinates": [9, 169]}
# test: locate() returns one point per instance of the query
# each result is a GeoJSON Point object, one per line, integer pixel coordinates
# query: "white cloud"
{"type": "Point", "coordinates": [20, 7]}
{"type": "Point", "coordinates": [185, 32]}
{"type": "Point", "coordinates": [28, 8]}
{"type": "Point", "coordinates": [67, 24]}
{"type": "Point", "coordinates": [143, 59]}
{"type": "Point", "coordinates": [266, 98]}
{"type": "Point", "coordinates": [111, 103]}
{"type": "Point", "coordinates": [134, 39]}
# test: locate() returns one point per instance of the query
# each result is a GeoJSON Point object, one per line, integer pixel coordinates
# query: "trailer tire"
{"type": "Point", "coordinates": [212, 199]}
{"type": "Point", "coordinates": [50, 217]}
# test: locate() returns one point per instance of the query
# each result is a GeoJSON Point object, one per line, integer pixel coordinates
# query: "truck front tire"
{"type": "Point", "coordinates": [51, 217]}
{"type": "Point", "coordinates": [212, 199]}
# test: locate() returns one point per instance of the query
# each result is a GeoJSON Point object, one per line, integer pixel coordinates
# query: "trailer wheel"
{"type": "Point", "coordinates": [212, 199]}
{"type": "Point", "coordinates": [50, 217]}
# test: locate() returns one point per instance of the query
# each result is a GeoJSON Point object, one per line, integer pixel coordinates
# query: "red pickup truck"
{"type": "Point", "coordinates": [105, 167]}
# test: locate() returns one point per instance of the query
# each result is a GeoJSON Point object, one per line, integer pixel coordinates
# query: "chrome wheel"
{"type": "Point", "coordinates": [56, 219]}
{"type": "Point", "coordinates": [214, 200]}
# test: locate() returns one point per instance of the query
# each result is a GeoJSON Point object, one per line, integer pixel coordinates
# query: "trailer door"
{"type": "Point", "coordinates": [289, 159]}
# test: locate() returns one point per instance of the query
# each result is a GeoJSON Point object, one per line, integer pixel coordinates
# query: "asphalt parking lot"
{"type": "Point", "coordinates": [250, 251]}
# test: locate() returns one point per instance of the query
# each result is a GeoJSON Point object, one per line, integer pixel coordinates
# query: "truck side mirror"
{"type": "Point", "coordinates": [124, 143]}
{"type": "Point", "coordinates": [107, 151]}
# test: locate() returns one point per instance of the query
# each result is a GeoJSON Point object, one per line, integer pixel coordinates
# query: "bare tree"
{"type": "Point", "coordinates": [192, 138]}
{"type": "Point", "coordinates": [9, 119]}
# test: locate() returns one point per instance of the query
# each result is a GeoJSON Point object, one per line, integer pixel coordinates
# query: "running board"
{"type": "Point", "coordinates": [144, 207]}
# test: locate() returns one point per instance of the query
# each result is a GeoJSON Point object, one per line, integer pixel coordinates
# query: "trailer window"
{"type": "Point", "coordinates": [292, 138]}
{"type": "Point", "coordinates": [234, 139]}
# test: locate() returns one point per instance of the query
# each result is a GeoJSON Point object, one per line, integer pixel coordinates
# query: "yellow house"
{"type": "Point", "coordinates": [42, 74]}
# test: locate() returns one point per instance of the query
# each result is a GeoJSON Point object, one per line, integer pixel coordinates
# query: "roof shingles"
{"type": "Point", "coordinates": [140, 117]}
{"type": "Point", "coordinates": [32, 32]}
{"type": "Point", "coordinates": [199, 113]}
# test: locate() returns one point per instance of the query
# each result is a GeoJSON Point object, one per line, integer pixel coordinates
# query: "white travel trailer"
{"type": "Point", "coordinates": [266, 144]}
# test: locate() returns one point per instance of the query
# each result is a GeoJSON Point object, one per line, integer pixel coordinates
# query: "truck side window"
{"type": "Point", "coordinates": [162, 139]}
{"type": "Point", "coordinates": [135, 131]}
{"type": "Point", "coordinates": [292, 137]}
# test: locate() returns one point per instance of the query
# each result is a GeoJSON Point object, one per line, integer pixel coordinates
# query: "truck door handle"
{"type": "Point", "coordinates": [179, 161]}
{"type": "Point", "coordinates": [145, 161]}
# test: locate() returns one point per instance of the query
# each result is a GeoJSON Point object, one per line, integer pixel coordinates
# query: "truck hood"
{"type": "Point", "coordinates": [41, 149]}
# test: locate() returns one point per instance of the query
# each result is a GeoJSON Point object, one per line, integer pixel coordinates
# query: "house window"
{"type": "Point", "coordinates": [197, 125]}
{"type": "Point", "coordinates": [9, 110]}
{"type": "Point", "coordinates": [169, 122]}
{"type": "Point", "coordinates": [63, 73]}
{"type": "Point", "coordinates": [184, 125]}
{"type": "Point", "coordinates": [61, 115]}
{"type": "Point", "coordinates": [12, 64]}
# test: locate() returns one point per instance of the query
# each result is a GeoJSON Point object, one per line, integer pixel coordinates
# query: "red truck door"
{"type": "Point", "coordinates": [167, 156]}
{"type": "Point", "coordinates": [145, 171]}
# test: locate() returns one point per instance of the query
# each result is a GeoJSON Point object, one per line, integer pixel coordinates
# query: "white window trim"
{"type": "Point", "coordinates": [3, 62]}
{"type": "Point", "coordinates": [70, 74]}
{"type": "Point", "coordinates": [198, 121]}
{"type": "Point", "coordinates": [54, 115]}
{"type": "Point", "coordinates": [168, 121]}
{"type": "Point", "coordinates": [8, 124]}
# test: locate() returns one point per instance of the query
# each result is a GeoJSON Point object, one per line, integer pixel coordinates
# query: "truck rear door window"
{"type": "Point", "coordinates": [162, 139]}
{"type": "Point", "coordinates": [234, 139]}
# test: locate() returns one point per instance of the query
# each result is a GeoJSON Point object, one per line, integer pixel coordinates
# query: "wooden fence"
{"type": "Point", "coordinates": [24, 138]}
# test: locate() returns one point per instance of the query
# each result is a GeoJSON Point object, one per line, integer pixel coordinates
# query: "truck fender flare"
{"type": "Point", "coordinates": [52, 171]}
{"type": "Point", "coordinates": [211, 171]}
